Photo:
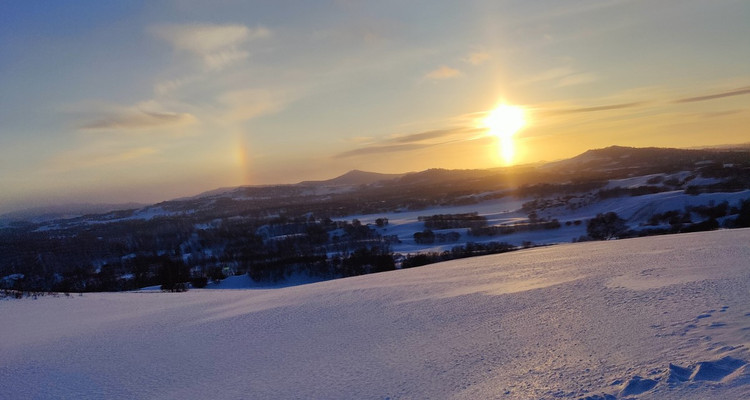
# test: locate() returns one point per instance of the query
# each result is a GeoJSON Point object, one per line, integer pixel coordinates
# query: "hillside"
{"type": "Point", "coordinates": [354, 177]}
{"type": "Point", "coordinates": [346, 226]}
{"type": "Point", "coordinates": [652, 318]}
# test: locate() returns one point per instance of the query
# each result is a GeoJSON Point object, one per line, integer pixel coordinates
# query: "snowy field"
{"type": "Point", "coordinates": [663, 317]}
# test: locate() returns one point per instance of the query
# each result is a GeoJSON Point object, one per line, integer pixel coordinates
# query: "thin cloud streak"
{"type": "Point", "coordinates": [378, 149]}
{"type": "Point", "coordinates": [731, 93]}
{"type": "Point", "coordinates": [550, 74]}
{"type": "Point", "coordinates": [563, 76]}
{"type": "Point", "coordinates": [654, 102]}
{"type": "Point", "coordinates": [718, 114]}
{"type": "Point", "coordinates": [442, 73]}
{"type": "Point", "coordinates": [477, 57]}
{"type": "Point", "coordinates": [79, 160]}
{"type": "Point", "coordinates": [576, 79]}
{"type": "Point", "coordinates": [246, 104]}
{"type": "Point", "coordinates": [427, 135]}
{"type": "Point", "coordinates": [413, 142]}
{"type": "Point", "coordinates": [138, 119]}
{"type": "Point", "coordinates": [597, 108]}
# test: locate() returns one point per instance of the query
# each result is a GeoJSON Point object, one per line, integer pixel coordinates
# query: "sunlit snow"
{"type": "Point", "coordinates": [656, 317]}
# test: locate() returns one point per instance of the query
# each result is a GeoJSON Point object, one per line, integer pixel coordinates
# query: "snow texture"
{"type": "Point", "coordinates": [664, 317]}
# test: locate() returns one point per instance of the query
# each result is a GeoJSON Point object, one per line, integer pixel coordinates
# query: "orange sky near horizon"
{"type": "Point", "coordinates": [146, 101]}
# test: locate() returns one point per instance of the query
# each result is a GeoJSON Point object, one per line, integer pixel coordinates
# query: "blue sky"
{"type": "Point", "coordinates": [149, 100]}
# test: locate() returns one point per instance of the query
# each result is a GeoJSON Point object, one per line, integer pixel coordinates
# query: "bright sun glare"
{"type": "Point", "coordinates": [503, 122]}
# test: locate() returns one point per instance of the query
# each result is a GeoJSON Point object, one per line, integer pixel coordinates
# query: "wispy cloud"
{"type": "Point", "coordinates": [379, 149]}
{"type": "Point", "coordinates": [242, 105]}
{"type": "Point", "coordinates": [637, 109]}
{"type": "Point", "coordinates": [477, 57]}
{"type": "Point", "coordinates": [562, 77]}
{"type": "Point", "coordinates": [219, 60]}
{"type": "Point", "coordinates": [444, 72]}
{"type": "Point", "coordinates": [713, 96]}
{"type": "Point", "coordinates": [650, 97]}
{"type": "Point", "coordinates": [136, 119]}
{"type": "Point", "coordinates": [414, 141]}
{"type": "Point", "coordinates": [216, 45]}
{"type": "Point", "coordinates": [550, 74]}
{"type": "Point", "coordinates": [719, 114]}
{"type": "Point", "coordinates": [607, 107]}
{"type": "Point", "coordinates": [77, 159]}
{"type": "Point", "coordinates": [576, 79]}
{"type": "Point", "coordinates": [422, 136]}
{"type": "Point", "coordinates": [171, 85]}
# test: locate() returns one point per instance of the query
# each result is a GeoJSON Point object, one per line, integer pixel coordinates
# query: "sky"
{"type": "Point", "coordinates": [120, 101]}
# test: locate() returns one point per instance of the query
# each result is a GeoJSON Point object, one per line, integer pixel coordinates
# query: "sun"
{"type": "Point", "coordinates": [504, 122]}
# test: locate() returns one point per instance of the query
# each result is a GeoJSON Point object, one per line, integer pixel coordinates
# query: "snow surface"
{"type": "Point", "coordinates": [664, 317]}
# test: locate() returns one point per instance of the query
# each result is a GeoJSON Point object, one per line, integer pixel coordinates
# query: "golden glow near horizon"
{"type": "Point", "coordinates": [504, 122]}
{"type": "Point", "coordinates": [175, 103]}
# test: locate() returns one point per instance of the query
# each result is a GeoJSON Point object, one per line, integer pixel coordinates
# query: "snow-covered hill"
{"type": "Point", "coordinates": [662, 317]}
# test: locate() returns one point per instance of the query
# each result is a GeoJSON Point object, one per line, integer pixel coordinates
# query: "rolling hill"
{"type": "Point", "coordinates": [649, 318]}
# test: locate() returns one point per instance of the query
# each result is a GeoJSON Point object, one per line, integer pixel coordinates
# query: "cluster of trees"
{"type": "Point", "coordinates": [453, 221]}
{"type": "Point", "coordinates": [712, 211]}
{"type": "Point", "coordinates": [429, 237]}
{"type": "Point", "coordinates": [551, 189]}
{"type": "Point", "coordinates": [132, 273]}
{"type": "Point", "coordinates": [569, 201]}
{"type": "Point", "coordinates": [514, 228]}
{"type": "Point", "coordinates": [743, 215]}
{"type": "Point", "coordinates": [610, 226]}
{"type": "Point", "coordinates": [173, 276]}
{"type": "Point", "coordinates": [733, 177]}
{"type": "Point", "coordinates": [673, 217]}
{"type": "Point", "coordinates": [606, 226]}
{"type": "Point", "coordinates": [364, 260]}
{"type": "Point", "coordinates": [307, 246]}
{"type": "Point", "coordinates": [19, 294]}
{"type": "Point", "coordinates": [708, 216]}
{"type": "Point", "coordinates": [172, 252]}
{"type": "Point", "coordinates": [635, 191]}
{"type": "Point", "coordinates": [729, 185]}
{"type": "Point", "coordinates": [468, 250]}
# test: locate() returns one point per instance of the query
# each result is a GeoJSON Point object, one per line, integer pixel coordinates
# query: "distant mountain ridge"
{"type": "Point", "coordinates": [354, 177]}
{"type": "Point", "coordinates": [62, 211]}
{"type": "Point", "coordinates": [612, 162]}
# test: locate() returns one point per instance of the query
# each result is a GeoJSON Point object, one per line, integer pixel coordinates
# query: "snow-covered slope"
{"type": "Point", "coordinates": [658, 317]}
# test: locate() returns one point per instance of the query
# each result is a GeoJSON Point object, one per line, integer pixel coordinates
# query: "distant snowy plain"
{"type": "Point", "coordinates": [664, 317]}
